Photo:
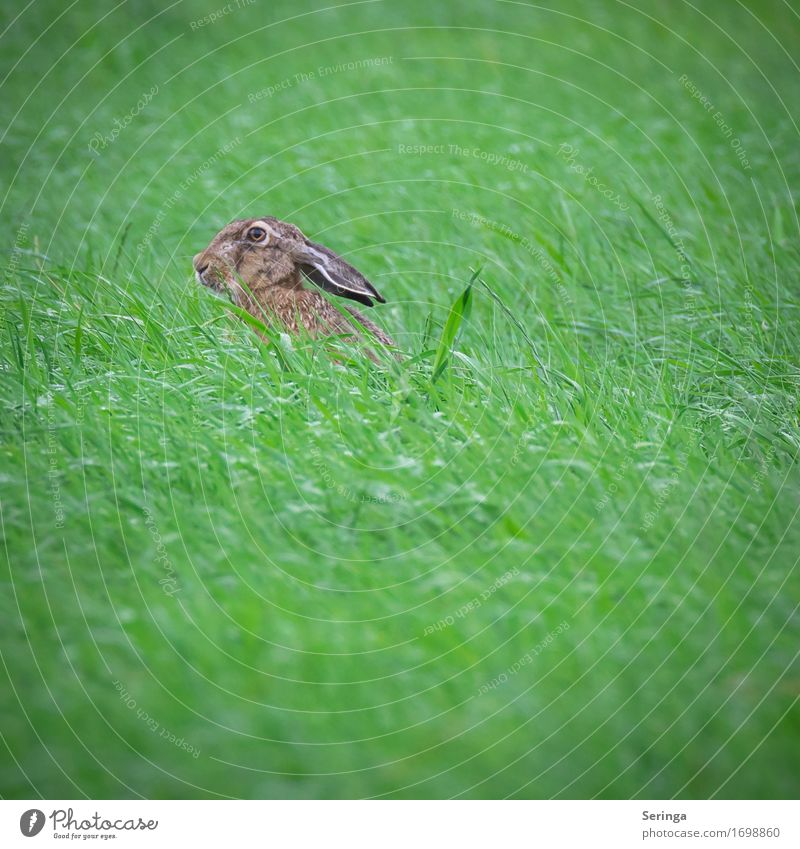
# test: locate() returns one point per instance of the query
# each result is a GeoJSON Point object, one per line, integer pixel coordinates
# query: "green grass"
{"type": "Point", "coordinates": [552, 555]}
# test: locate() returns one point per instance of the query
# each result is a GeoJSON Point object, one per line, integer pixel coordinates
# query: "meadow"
{"type": "Point", "coordinates": [552, 552]}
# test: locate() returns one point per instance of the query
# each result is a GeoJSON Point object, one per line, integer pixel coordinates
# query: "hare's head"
{"type": "Point", "coordinates": [264, 252]}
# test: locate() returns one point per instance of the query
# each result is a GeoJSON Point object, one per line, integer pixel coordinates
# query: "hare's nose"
{"type": "Point", "coordinates": [199, 264]}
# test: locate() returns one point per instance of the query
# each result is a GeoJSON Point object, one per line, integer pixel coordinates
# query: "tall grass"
{"type": "Point", "coordinates": [550, 551]}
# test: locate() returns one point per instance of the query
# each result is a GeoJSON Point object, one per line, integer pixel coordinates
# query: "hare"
{"type": "Point", "coordinates": [275, 261]}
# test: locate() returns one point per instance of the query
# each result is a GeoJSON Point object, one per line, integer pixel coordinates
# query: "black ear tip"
{"type": "Point", "coordinates": [374, 293]}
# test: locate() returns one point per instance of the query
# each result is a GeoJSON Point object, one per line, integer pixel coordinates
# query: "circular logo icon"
{"type": "Point", "coordinates": [31, 822]}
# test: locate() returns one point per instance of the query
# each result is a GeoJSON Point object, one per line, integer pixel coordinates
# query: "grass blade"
{"type": "Point", "coordinates": [459, 312]}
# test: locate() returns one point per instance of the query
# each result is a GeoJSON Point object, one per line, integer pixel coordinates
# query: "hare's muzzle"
{"type": "Point", "coordinates": [200, 267]}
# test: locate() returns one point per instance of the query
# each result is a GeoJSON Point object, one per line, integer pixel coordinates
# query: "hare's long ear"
{"type": "Point", "coordinates": [330, 272]}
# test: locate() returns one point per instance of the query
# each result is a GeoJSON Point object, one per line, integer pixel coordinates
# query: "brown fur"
{"type": "Point", "coordinates": [280, 293]}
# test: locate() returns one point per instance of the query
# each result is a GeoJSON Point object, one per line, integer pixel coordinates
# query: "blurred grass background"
{"type": "Point", "coordinates": [233, 569]}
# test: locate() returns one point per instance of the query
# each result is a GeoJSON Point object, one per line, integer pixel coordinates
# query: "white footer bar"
{"type": "Point", "coordinates": [401, 824]}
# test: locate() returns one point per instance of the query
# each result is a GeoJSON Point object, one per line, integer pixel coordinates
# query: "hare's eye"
{"type": "Point", "coordinates": [257, 234]}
